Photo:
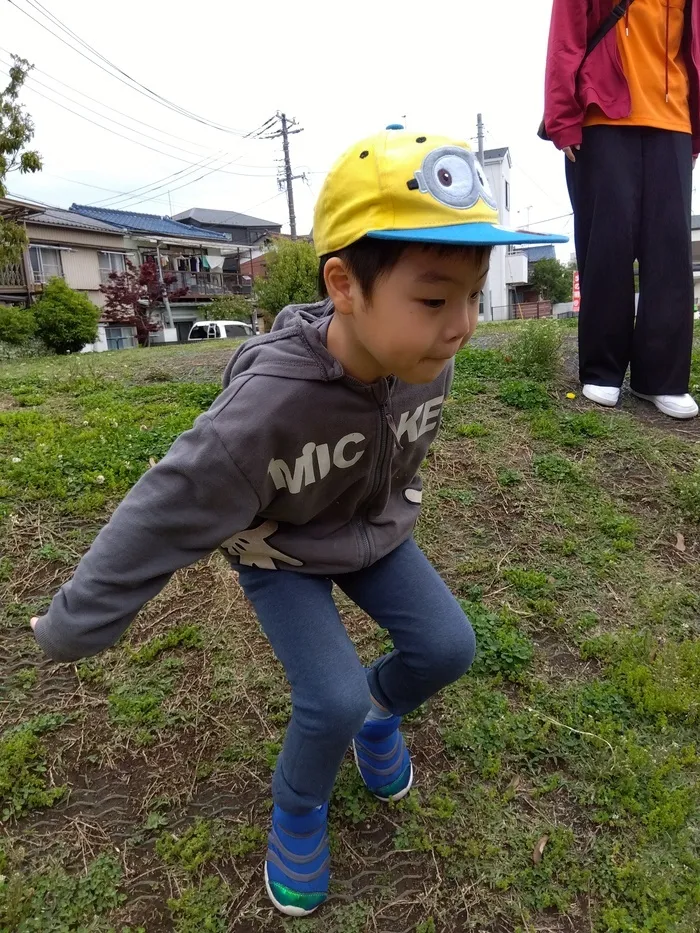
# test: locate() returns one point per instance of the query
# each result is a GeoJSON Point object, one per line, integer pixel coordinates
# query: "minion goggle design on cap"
{"type": "Point", "coordinates": [454, 177]}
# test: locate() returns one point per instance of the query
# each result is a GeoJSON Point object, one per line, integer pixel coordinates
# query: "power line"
{"type": "Point", "coordinates": [136, 142]}
{"type": "Point", "coordinates": [101, 103]}
{"type": "Point", "coordinates": [132, 83]}
{"type": "Point", "coordinates": [549, 220]}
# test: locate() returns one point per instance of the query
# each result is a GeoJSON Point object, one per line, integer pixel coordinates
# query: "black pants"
{"type": "Point", "coordinates": [631, 188]}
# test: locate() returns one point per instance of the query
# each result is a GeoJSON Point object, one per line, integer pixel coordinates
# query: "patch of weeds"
{"type": "Point", "coordinates": [475, 429]}
{"type": "Point", "coordinates": [22, 680]}
{"type": "Point", "coordinates": [245, 839]}
{"type": "Point", "coordinates": [535, 350]}
{"type": "Point", "coordinates": [6, 568]}
{"type": "Point", "coordinates": [91, 671]}
{"type": "Point", "coordinates": [426, 926]}
{"type": "Point", "coordinates": [508, 478]}
{"type": "Point", "coordinates": [202, 909]}
{"type": "Point", "coordinates": [670, 605]}
{"type": "Point", "coordinates": [50, 551]}
{"type": "Point", "coordinates": [528, 583]}
{"type": "Point", "coordinates": [524, 394]}
{"type": "Point", "coordinates": [483, 364]}
{"type": "Point", "coordinates": [200, 844]}
{"type": "Point", "coordinates": [558, 879]}
{"type": "Point", "coordinates": [460, 496]}
{"type": "Point", "coordinates": [655, 891]}
{"type": "Point", "coordinates": [480, 727]}
{"type": "Point", "coordinates": [54, 900]}
{"type": "Point", "coordinates": [660, 681]}
{"type": "Point", "coordinates": [349, 918]}
{"type": "Point", "coordinates": [206, 841]}
{"type": "Point", "coordinates": [501, 648]}
{"type": "Point", "coordinates": [180, 636]}
{"type": "Point", "coordinates": [136, 705]}
{"type": "Point", "coordinates": [244, 748]}
{"type": "Point", "coordinates": [555, 469]}
{"type": "Point", "coordinates": [687, 489]}
{"type": "Point", "coordinates": [350, 796]}
{"type": "Point", "coordinates": [23, 768]}
{"type": "Point", "coordinates": [568, 430]}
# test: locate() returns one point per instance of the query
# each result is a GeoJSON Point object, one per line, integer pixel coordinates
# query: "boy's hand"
{"type": "Point", "coordinates": [569, 153]}
{"type": "Point", "coordinates": [33, 622]}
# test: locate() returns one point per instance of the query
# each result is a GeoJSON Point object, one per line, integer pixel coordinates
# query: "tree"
{"type": "Point", "coordinates": [17, 325]}
{"type": "Point", "coordinates": [132, 298]}
{"type": "Point", "coordinates": [66, 320]}
{"type": "Point", "coordinates": [553, 280]}
{"type": "Point", "coordinates": [228, 308]}
{"type": "Point", "coordinates": [292, 273]}
{"type": "Point", "coordinates": [16, 132]}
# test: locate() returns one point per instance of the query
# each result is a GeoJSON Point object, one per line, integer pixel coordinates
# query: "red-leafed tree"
{"type": "Point", "coordinates": [132, 297]}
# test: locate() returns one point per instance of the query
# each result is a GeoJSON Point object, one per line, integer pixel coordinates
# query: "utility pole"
{"type": "Point", "coordinates": [287, 178]}
{"type": "Point", "coordinates": [488, 307]}
{"type": "Point", "coordinates": [480, 137]}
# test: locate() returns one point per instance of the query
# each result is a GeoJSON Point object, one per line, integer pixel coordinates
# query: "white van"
{"type": "Point", "coordinates": [219, 330]}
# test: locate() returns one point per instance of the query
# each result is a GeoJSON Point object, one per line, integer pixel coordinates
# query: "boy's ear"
{"type": "Point", "coordinates": [339, 285]}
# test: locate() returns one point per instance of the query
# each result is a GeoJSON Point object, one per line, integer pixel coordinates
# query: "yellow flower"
{"type": "Point", "coordinates": [570, 395]}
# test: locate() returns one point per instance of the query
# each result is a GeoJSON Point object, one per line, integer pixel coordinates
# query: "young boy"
{"type": "Point", "coordinates": [305, 473]}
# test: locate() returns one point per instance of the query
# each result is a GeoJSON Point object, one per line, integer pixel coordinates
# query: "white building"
{"type": "Point", "coordinates": [508, 267]}
{"type": "Point", "coordinates": [696, 257]}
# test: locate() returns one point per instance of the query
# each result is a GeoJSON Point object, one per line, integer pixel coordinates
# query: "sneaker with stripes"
{"type": "Point", "coordinates": [382, 758]}
{"type": "Point", "coordinates": [297, 864]}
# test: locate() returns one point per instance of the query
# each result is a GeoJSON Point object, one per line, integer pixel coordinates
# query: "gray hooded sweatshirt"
{"type": "Point", "coordinates": [296, 466]}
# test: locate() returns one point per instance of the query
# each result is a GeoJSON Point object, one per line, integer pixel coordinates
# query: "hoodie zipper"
{"type": "Point", "coordinates": [387, 428]}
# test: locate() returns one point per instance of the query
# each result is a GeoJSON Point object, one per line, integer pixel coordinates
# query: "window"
{"type": "Point", "coordinates": [507, 195]}
{"type": "Point", "coordinates": [199, 333]}
{"type": "Point", "coordinates": [233, 331]}
{"type": "Point", "coordinates": [109, 263]}
{"type": "Point", "coordinates": [46, 263]}
{"type": "Point", "coordinates": [120, 338]}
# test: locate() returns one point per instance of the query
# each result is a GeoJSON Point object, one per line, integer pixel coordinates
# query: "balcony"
{"type": "Point", "coordinates": [211, 284]}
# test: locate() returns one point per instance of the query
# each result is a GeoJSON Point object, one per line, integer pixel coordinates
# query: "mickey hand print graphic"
{"type": "Point", "coordinates": [252, 549]}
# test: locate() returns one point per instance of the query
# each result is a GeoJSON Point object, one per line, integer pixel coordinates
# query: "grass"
{"type": "Point", "coordinates": [558, 785]}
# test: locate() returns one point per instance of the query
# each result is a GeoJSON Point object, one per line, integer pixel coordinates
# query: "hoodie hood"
{"type": "Point", "coordinates": [280, 354]}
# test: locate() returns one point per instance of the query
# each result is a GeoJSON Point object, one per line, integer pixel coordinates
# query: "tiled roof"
{"type": "Point", "coordinates": [203, 215]}
{"type": "Point", "coordinates": [145, 223]}
{"type": "Point", "coordinates": [57, 217]}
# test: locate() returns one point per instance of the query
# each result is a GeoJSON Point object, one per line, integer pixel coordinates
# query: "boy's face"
{"type": "Point", "coordinates": [421, 313]}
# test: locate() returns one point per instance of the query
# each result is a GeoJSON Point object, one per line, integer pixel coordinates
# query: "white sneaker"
{"type": "Point", "coordinates": [602, 395]}
{"type": "Point", "coordinates": [675, 406]}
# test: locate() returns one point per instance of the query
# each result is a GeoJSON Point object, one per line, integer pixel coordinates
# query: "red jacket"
{"type": "Point", "coordinates": [571, 88]}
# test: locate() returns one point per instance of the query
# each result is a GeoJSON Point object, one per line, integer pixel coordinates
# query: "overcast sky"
{"type": "Point", "coordinates": [343, 70]}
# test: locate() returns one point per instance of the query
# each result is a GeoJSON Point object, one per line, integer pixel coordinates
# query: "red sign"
{"type": "Point", "coordinates": [577, 293]}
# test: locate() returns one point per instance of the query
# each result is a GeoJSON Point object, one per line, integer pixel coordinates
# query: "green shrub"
{"type": "Point", "coordinates": [66, 320]}
{"type": "Point", "coordinates": [229, 308]}
{"type": "Point", "coordinates": [524, 394]}
{"type": "Point", "coordinates": [17, 325]}
{"type": "Point", "coordinates": [535, 350]}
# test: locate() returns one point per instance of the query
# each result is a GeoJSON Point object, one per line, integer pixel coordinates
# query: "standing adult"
{"type": "Point", "coordinates": [627, 116]}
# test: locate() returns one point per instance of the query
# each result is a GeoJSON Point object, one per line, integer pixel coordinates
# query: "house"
{"type": "Point", "coordinates": [524, 294]}
{"type": "Point", "coordinates": [65, 245]}
{"type": "Point", "coordinates": [695, 233]}
{"type": "Point", "coordinates": [195, 256]}
{"type": "Point", "coordinates": [239, 228]}
{"type": "Point", "coordinates": [508, 266]}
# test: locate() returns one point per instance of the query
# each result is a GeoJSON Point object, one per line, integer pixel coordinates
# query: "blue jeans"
{"type": "Point", "coordinates": [434, 646]}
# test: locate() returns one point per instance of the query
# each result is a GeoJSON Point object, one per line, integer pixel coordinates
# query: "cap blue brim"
{"type": "Point", "coordinates": [469, 235]}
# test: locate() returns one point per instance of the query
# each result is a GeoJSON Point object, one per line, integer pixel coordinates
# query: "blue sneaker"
{"type": "Point", "coordinates": [383, 760]}
{"type": "Point", "coordinates": [297, 864]}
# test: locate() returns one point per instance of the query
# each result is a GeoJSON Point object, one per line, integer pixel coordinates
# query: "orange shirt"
{"type": "Point", "coordinates": [650, 42]}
